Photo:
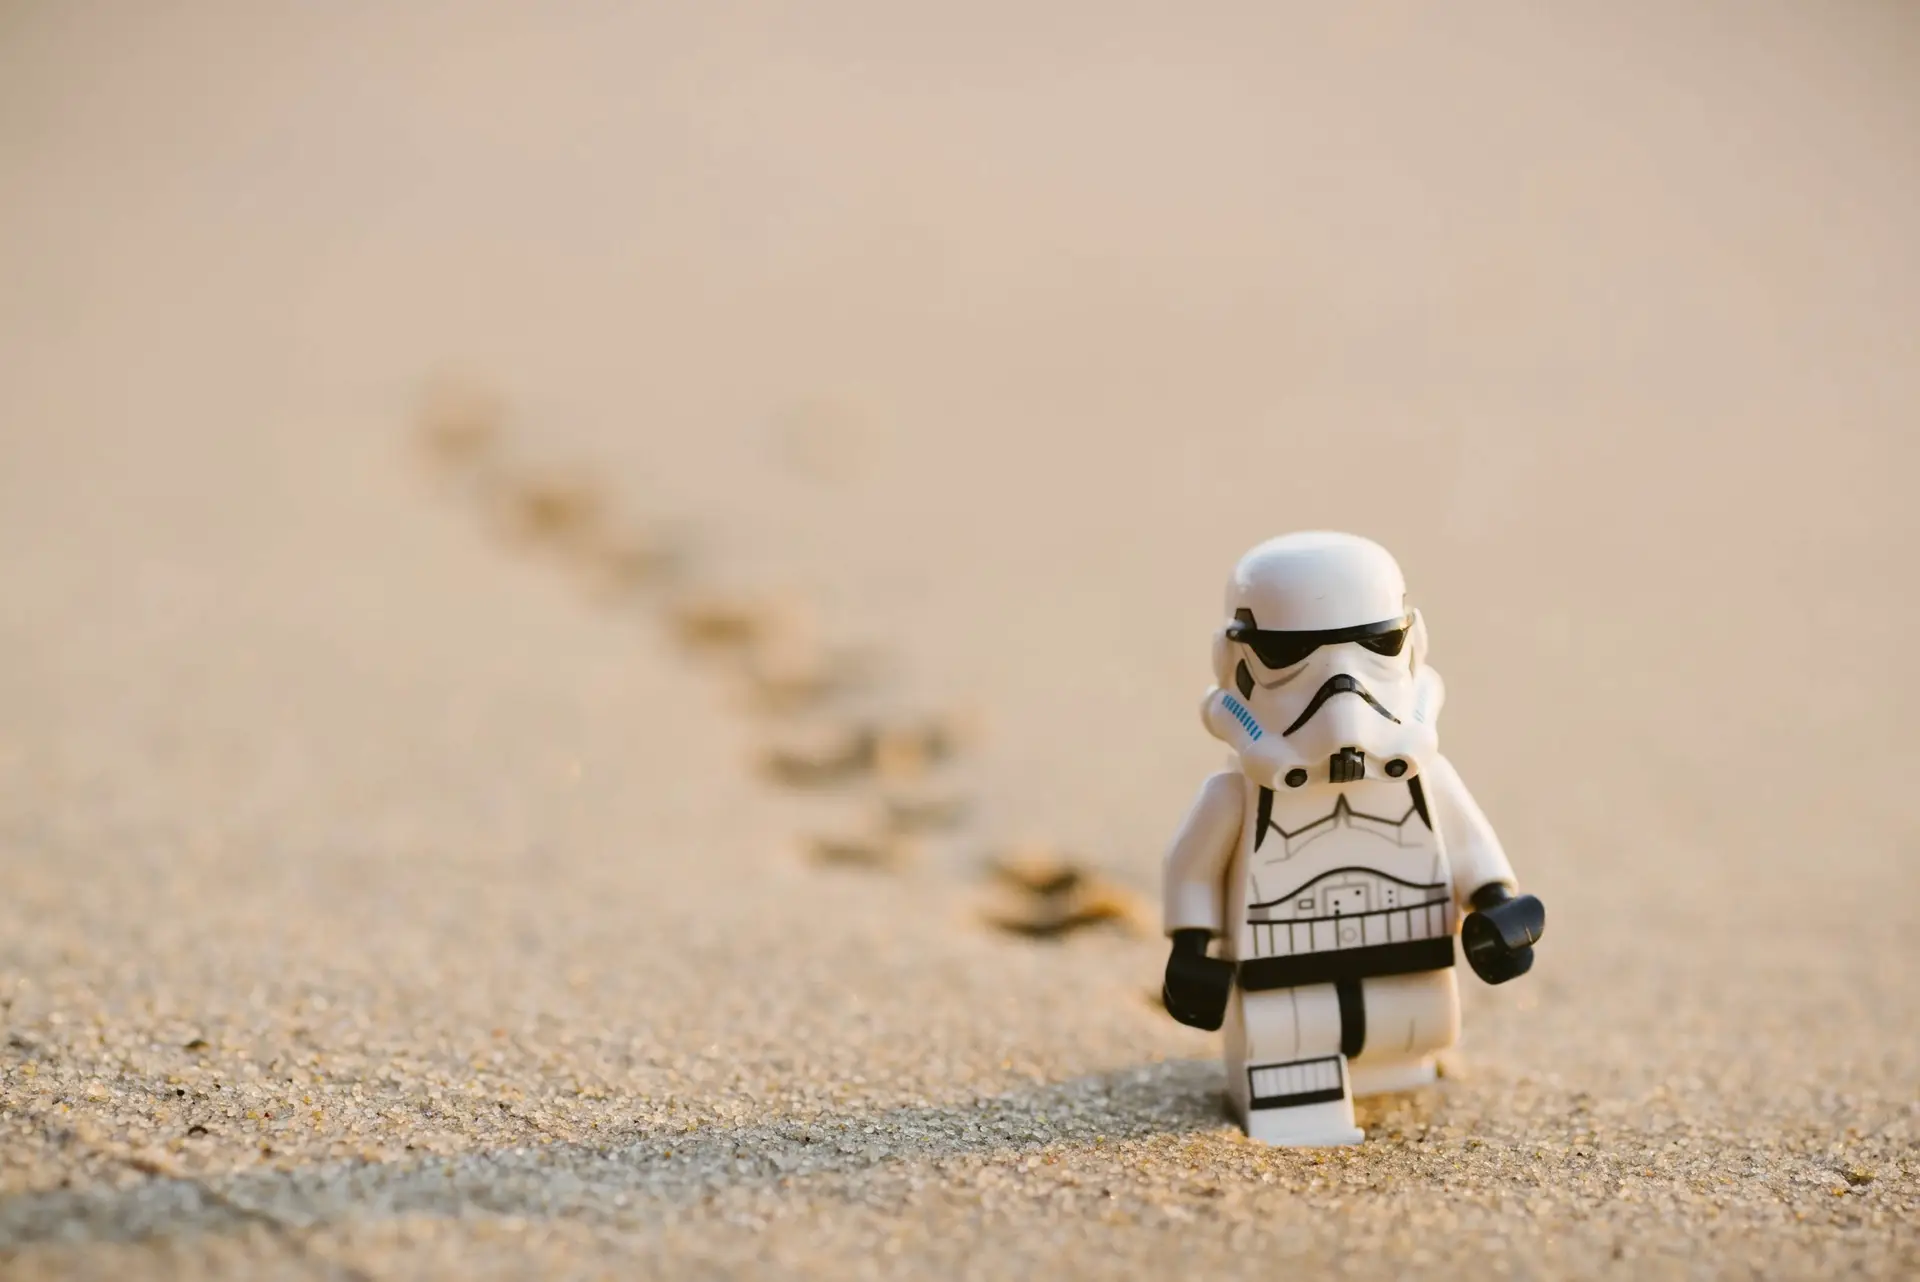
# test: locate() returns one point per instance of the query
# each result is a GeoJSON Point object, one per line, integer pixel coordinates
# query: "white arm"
{"type": "Point", "coordinates": [1196, 863]}
{"type": "Point", "coordinates": [1473, 852]}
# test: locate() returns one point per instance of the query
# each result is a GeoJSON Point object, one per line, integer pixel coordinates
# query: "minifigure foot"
{"type": "Point", "coordinates": [1390, 1075]}
{"type": "Point", "coordinates": [1328, 1125]}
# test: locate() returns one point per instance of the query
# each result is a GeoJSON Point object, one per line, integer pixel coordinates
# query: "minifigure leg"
{"type": "Point", "coordinates": [1286, 1077]}
{"type": "Point", "coordinates": [1407, 1018]}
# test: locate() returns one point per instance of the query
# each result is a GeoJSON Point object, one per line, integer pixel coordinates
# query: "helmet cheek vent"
{"type": "Point", "coordinates": [1243, 679]}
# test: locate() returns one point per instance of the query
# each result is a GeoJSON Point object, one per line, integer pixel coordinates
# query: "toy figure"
{"type": "Point", "coordinates": [1334, 860]}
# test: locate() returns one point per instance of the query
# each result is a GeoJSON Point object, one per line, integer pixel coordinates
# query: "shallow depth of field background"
{"type": "Point", "coordinates": [992, 333]}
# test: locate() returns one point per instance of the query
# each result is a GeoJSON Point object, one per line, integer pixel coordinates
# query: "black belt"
{"type": "Point", "coordinates": [1336, 964]}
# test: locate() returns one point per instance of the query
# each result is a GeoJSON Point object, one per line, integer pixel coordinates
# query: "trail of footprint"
{"type": "Point", "coordinates": [783, 668]}
{"type": "Point", "coordinates": [773, 647]}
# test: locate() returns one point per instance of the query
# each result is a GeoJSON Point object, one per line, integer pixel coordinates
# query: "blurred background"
{"type": "Point", "coordinates": [994, 332]}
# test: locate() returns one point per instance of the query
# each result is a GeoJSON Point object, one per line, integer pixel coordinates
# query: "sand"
{"type": "Point", "coordinates": [394, 882]}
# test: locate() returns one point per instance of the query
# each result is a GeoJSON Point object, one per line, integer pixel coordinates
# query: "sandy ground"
{"type": "Point", "coordinates": [385, 896]}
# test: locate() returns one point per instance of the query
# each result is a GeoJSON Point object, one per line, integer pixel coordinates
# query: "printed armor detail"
{"type": "Point", "coordinates": [1354, 920]}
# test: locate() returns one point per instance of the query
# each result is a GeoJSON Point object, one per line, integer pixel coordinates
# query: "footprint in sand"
{"type": "Point", "coordinates": [460, 427]}
{"type": "Point", "coordinates": [1045, 895]}
{"type": "Point", "coordinates": [897, 753]}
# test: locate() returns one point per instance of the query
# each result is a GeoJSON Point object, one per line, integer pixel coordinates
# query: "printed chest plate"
{"type": "Point", "coordinates": [1341, 884]}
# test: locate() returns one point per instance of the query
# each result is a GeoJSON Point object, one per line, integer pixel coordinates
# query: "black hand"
{"type": "Point", "coordinates": [1499, 934]}
{"type": "Point", "coordinates": [1197, 986]}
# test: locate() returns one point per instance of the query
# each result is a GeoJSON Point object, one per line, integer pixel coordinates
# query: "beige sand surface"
{"type": "Point", "coordinates": [383, 900]}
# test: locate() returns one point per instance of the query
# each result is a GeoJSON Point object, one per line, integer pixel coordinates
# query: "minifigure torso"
{"type": "Point", "coordinates": [1338, 882]}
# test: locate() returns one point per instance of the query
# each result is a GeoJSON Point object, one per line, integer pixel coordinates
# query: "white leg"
{"type": "Point", "coordinates": [1408, 1018]}
{"type": "Point", "coordinates": [1286, 1076]}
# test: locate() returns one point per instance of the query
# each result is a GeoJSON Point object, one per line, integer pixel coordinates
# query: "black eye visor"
{"type": "Point", "coordinates": [1284, 649]}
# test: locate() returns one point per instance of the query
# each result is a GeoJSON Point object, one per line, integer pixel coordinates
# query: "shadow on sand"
{"type": "Point", "coordinates": [620, 1179]}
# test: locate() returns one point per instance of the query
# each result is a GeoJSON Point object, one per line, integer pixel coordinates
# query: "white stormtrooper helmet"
{"type": "Point", "coordinates": [1321, 666]}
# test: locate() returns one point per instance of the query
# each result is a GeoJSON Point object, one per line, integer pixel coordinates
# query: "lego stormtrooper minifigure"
{"type": "Point", "coordinates": [1334, 861]}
